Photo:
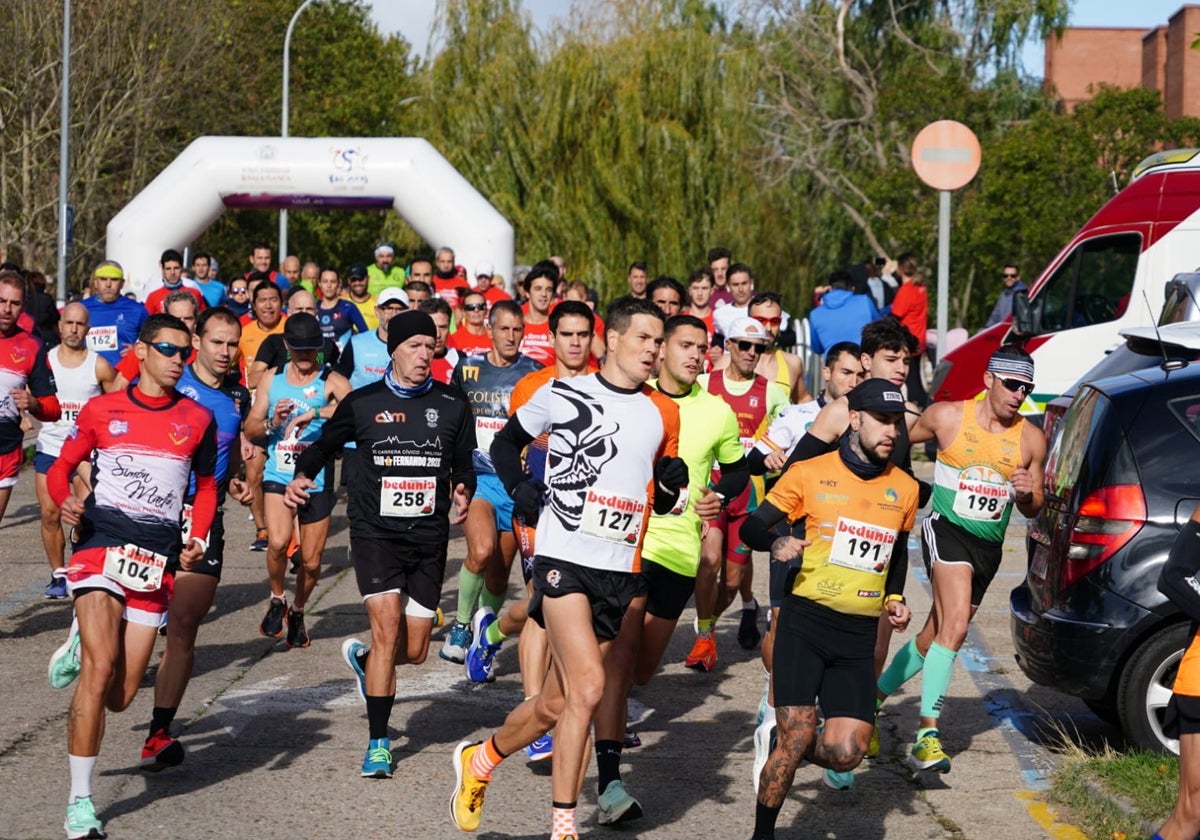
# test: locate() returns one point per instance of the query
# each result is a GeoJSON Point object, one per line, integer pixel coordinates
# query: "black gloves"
{"type": "Point", "coordinates": [527, 500]}
{"type": "Point", "coordinates": [671, 473]}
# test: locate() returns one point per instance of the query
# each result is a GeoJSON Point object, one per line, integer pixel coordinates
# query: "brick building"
{"type": "Point", "coordinates": [1161, 58]}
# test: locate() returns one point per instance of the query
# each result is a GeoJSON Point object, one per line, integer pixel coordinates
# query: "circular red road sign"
{"type": "Point", "coordinates": [945, 155]}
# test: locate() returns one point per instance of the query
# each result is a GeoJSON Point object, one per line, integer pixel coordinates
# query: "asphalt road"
{"type": "Point", "coordinates": [275, 737]}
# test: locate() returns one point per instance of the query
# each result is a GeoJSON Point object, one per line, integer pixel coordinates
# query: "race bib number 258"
{"type": "Point", "coordinates": [407, 497]}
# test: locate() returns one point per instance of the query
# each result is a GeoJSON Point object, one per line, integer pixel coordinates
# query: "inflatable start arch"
{"type": "Point", "coordinates": [273, 173]}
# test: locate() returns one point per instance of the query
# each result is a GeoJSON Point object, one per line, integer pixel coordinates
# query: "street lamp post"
{"type": "Point", "coordinates": [283, 127]}
{"type": "Point", "coordinates": [63, 149]}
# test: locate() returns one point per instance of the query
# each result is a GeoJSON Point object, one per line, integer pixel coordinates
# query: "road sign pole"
{"type": "Point", "coordinates": [943, 289]}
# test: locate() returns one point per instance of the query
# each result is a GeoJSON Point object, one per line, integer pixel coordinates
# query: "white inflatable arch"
{"type": "Point", "coordinates": [332, 173]}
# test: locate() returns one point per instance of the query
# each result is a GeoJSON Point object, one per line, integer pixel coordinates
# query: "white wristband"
{"type": "Point", "coordinates": [203, 544]}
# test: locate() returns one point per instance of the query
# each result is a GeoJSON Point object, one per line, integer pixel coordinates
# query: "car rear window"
{"type": "Point", "coordinates": [1090, 449]}
{"type": "Point", "coordinates": [1187, 411]}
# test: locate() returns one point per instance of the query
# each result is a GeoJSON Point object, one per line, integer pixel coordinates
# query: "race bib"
{"type": "Point", "coordinates": [185, 522]}
{"type": "Point", "coordinates": [612, 517]}
{"type": "Point", "coordinates": [102, 339]}
{"type": "Point", "coordinates": [287, 453]}
{"type": "Point", "coordinates": [407, 497]}
{"type": "Point", "coordinates": [70, 410]}
{"type": "Point", "coordinates": [134, 567]}
{"type": "Point", "coordinates": [861, 546]}
{"type": "Point", "coordinates": [485, 431]}
{"type": "Point", "coordinates": [747, 444]}
{"type": "Point", "coordinates": [982, 494]}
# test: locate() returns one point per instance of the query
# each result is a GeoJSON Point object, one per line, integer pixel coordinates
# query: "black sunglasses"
{"type": "Point", "coordinates": [475, 307]}
{"type": "Point", "coordinates": [747, 346]}
{"type": "Point", "coordinates": [1016, 385]}
{"type": "Point", "coordinates": [170, 350]}
{"type": "Point", "coordinates": [1009, 275]}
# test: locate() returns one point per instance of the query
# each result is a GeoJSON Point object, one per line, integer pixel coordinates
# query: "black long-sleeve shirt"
{"type": "Point", "coordinates": [412, 454]}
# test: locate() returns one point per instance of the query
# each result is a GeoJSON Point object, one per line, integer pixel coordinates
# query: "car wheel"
{"type": "Point", "coordinates": [1145, 689]}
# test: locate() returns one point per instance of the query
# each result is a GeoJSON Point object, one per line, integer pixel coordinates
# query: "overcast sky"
{"type": "Point", "coordinates": [413, 18]}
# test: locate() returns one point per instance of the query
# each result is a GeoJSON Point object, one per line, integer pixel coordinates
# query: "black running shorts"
{"type": "Point", "coordinates": [667, 591]}
{"type": "Point", "coordinates": [944, 542]}
{"type": "Point", "coordinates": [826, 654]}
{"type": "Point", "coordinates": [318, 507]}
{"type": "Point", "coordinates": [398, 564]}
{"type": "Point", "coordinates": [608, 592]}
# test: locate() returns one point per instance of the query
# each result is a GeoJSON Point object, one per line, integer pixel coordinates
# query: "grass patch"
{"type": "Point", "coordinates": [1114, 795]}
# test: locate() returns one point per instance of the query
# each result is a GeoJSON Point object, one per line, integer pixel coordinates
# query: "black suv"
{"type": "Point", "coordinates": [1122, 476]}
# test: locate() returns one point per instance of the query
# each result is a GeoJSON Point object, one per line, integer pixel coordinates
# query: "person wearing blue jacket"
{"type": "Point", "coordinates": [841, 315]}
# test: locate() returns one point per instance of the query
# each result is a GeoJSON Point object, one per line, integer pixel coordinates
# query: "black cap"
{"type": "Point", "coordinates": [302, 332]}
{"type": "Point", "coordinates": [358, 270]}
{"type": "Point", "coordinates": [878, 395]}
{"type": "Point", "coordinates": [404, 325]}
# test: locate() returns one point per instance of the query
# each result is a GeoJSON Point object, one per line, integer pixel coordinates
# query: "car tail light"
{"type": "Point", "coordinates": [1108, 519]}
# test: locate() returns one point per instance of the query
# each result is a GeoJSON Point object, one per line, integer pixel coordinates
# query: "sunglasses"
{"type": "Point", "coordinates": [239, 291]}
{"type": "Point", "coordinates": [475, 307]}
{"type": "Point", "coordinates": [768, 322]}
{"type": "Point", "coordinates": [1016, 385]}
{"type": "Point", "coordinates": [748, 346]}
{"type": "Point", "coordinates": [1006, 274]}
{"type": "Point", "coordinates": [170, 350]}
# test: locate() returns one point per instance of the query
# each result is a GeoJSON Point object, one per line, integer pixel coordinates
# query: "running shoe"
{"type": "Point", "coordinates": [161, 750]}
{"type": "Point", "coordinates": [616, 805]}
{"type": "Point", "coordinates": [272, 623]}
{"type": "Point", "coordinates": [297, 633]}
{"type": "Point", "coordinates": [481, 655]}
{"type": "Point", "coordinates": [377, 763]}
{"type": "Point", "coordinates": [541, 749]}
{"type": "Point", "coordinates": [260, 540]}
{"type": "Point", "coordinates": [631, 740]}
{"type": "Point", "coordinates": [927, 754]}
{"type": "Point", "coordinates": [764, 745]}
{"type": "Point", "coordinates": [81, 820]}
{"type": "Point", "coordinates": [454, 649]}
{"type": "Point", "coordinates": [64, 663]}
{"type": "Point", "coordinates": [748, 634]}
{"type": "Point", "coordinates": [839, 780]}
{"type": "Point", "coordinates": [873, 744]}
{"type": "Point", "coordinates": [354, 653]}
{"type": "Point", "coordinates": [703, 656]}
{"type": "Point", "coordinates": [56, 589]}
{"type": "Point", "coordinates": [439, 618]}
{"type": "Point", "coordinates": [762, 704]}
{"type": "Point", "coordinates": [466, 803]}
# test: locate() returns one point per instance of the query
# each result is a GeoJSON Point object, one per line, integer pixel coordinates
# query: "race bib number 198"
{"type": "Point", "coordinates": [134, 567]}
{"type": "Point", "coordinates": [982, 494]}
{"type": "Point", "coordinates": [407, 497]}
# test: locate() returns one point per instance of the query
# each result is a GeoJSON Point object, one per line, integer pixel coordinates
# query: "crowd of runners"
{"type": "Point", "coordinates": [632, 462]}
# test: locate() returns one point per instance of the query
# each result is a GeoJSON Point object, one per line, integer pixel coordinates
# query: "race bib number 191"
{"type": "Point", "coordinates": [134, 567]}
{"type": "Point", "coordinates": [407, 497]}
{"type": "Point", "coordinates": [862, 546]}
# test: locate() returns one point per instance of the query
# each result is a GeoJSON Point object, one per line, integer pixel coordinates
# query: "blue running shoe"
{"type": "Point", "coordinates": [454, 649]}
{"type": "Point", "coordinates": [56, 589]}
{"type": "Point", "coordinates": [355, 653]}
{"type": "Point", "coordinates": [541, 749]}
{"type": "Point", "coordinates": [837, 780]}
{"type": "Point", "coordinates": [81, 820]}
{"type": "Point", "coordinates": [377, 763]}
{"type": "Point", "coordinates": [481, 655]}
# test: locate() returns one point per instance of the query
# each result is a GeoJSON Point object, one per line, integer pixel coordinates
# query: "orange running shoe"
{"type": "Point", "coordinates": [704, 653]}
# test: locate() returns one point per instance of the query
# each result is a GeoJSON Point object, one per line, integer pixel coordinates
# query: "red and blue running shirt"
{"type": "Point", "coordinates": [142, 451]}
{"type": "Point", "coordinates": [23, 363]}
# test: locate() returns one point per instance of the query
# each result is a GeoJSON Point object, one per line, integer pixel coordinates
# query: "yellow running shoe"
{"type": "Point", "coordinates": [466, 803]}
{"type": "Point", "coordinates": [873, 744]}
{"type": "Point", "coordinates": [927, 754]}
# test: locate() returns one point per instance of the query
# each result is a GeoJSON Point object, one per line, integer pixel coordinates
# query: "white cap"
{"type": "Point", "coordinates": [385, 248]}
{"type": "Point", "coordinates": [484, 269]}
{"type": "Point", "coordinates": [747, 328]}
{"type": "Point", "coordinates": [390, 294]}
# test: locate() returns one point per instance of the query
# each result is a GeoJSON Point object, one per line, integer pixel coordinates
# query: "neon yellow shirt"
{"type": "Point", "coordinates": [708, 432]}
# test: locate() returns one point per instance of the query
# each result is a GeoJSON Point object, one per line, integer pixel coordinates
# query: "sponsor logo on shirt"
{"type": "Point", "coordinates": [390, 417]}
{"type": "Point", "coordinates": [118, 427]}
{"type": "Point", "coordinates": [179, 433]}
{"type": "Point", "coordinates": [431, 417]}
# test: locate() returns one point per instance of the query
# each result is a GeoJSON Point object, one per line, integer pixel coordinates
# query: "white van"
{"type": "Point", "coordinates": [1110, 276]}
